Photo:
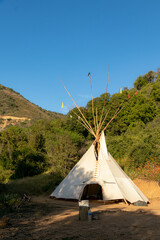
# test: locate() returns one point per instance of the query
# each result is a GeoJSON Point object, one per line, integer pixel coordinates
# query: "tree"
{"type": "Point", "coordinates": [156, 91]}
{"type": "Point", "coordinates": [142, 81]}
{"type": "Point", "coordinates": [31, 165]}
{"type": "Point", "coordinates": [40, 143]}
{"type": "Point", "coordinates": [158, 75]}
{"type": "Point", "coordinates": [149, 77]}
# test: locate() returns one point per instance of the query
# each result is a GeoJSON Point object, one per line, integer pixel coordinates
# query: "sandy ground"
{"type": "Point", "coordinates": [45, 218]}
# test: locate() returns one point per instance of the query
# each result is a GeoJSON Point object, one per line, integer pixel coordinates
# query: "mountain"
{"type": "Point", "coordinates": [14, 108]}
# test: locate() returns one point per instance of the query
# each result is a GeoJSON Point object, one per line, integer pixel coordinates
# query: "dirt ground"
{"type": "Point", "coordinates": [45, 218]}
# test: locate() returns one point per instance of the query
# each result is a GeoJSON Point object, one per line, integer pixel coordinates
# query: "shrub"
{"type": "Point", "coordinates": [32, 164]}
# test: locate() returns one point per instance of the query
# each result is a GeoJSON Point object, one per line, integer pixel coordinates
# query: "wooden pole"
{"type": "Point", "coordinates": [99, 126]}
{"type": "Point", "coordinates": [119, 109]}
{"type": "Point", "coordinates": [89, 74]}
{"type": "Point", "coordinates": [79, 109]}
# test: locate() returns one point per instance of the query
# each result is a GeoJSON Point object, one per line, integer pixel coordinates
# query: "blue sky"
{"type": "Point", "coordinates": [43, 40]}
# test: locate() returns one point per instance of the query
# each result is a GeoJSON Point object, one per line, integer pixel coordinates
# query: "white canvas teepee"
{"type": "Point", "coordinates": [98, 176]}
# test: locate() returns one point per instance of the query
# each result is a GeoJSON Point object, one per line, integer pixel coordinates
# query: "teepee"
{"type": "Point", "coordinates": [97, 175]}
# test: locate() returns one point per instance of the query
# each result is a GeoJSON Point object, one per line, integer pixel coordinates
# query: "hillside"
{"type": "Point", "coordinates": [49, 144]}
{"type": "Point", "coordinates": [14, 109]}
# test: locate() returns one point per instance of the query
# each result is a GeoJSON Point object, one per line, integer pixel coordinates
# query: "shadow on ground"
{"type": "Point", "coordinates": [45, 218]}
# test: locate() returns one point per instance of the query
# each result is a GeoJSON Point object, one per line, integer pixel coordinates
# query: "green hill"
{"type": "Point", "coordinates": [15, 109]}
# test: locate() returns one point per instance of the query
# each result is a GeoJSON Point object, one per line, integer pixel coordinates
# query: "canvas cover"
{"type": "Point", "coordinates": [105, 172]}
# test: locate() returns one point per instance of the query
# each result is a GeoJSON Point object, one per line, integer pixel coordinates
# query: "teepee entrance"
{"type": "Point", "coordinates": [92, 191]}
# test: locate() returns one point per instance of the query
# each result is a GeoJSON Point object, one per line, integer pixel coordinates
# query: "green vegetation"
{"type": "Point", "coordinates": [141, 81]}
{"type": "Point", "coordinates": [46, 145]}
{"type": "Point", "coordinates": [34, 158]}
{"type": "Point", "coordinates": [12, 192]}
